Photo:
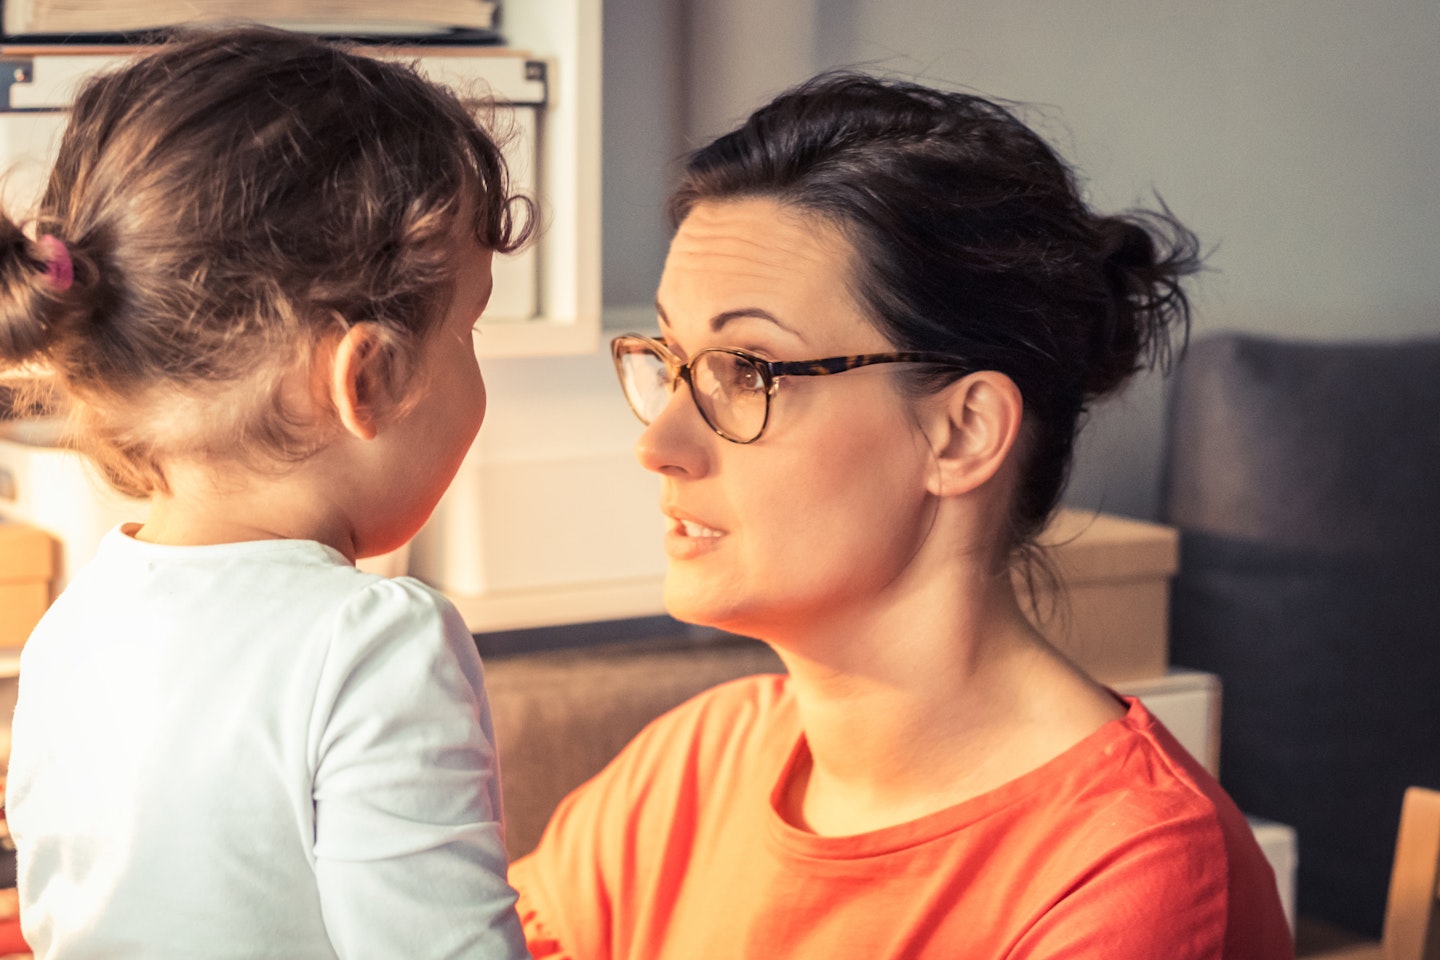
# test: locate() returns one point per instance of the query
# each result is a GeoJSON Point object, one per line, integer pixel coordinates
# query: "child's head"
{"type": "Point", "coordinates": [227, 205]}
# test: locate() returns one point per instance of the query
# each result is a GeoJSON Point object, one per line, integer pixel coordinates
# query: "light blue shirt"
{"type": "Point", "coordinates": [255, 750]}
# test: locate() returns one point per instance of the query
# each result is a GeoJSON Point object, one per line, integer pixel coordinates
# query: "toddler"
{"type": "Point", "coordinates": [252, 283]}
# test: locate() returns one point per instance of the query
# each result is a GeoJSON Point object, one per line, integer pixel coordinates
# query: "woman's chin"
{"type": "Point", "coordinates": [696, 603]}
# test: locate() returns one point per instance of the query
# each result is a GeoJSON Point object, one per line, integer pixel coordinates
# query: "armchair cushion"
{"type": "Point", "coordinates": [1305, 481]}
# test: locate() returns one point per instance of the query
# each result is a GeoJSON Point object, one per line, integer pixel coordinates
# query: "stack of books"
{"type": "Point", "coordinates": [90, 21]}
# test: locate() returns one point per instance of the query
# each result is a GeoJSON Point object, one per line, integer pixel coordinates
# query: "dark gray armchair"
{"type": "Point", "coordinates": [1305, 480]}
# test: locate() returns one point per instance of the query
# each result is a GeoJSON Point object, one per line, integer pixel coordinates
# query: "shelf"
{"type": "Point", "coordinates": [548, 298]}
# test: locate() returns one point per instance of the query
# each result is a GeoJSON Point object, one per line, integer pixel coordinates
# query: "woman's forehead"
{"type": "Point", "coordinates": [755, 253]}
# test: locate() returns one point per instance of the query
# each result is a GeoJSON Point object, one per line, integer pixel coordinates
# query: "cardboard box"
{"type": "Point", "coordinates": [56, 490]}
{"type": "Point", "coordinates": [1112, 612]}
{"type": "Point", "coordinates": [9, 693]}
{"type": "Point", "coordinates": [27, 569]}
{"type": "Point", "coordinates": [1187, 702]}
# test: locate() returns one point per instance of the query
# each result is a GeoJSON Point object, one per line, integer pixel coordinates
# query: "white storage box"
{"type": "Point", "coordinates": [550, 519]}
{"type": "Point", "coordinates": [1279, 844]}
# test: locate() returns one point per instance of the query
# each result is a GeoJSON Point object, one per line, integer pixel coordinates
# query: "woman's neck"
{"type": "Point", "coordinates": [923, 707]}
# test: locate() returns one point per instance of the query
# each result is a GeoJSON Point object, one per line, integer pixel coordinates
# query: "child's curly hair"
{"type": "Point", "coordinates": [227, 203]}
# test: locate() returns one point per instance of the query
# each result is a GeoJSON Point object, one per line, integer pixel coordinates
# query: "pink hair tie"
{"type": "Point", "coordinates": [59, 268]}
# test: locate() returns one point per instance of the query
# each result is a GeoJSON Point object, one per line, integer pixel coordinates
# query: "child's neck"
{"type": "Point", "coordinates": [205, 507]}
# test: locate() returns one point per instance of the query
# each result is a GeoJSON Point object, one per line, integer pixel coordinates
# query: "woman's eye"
{"type": "Point", "coordinates": [740, 375]}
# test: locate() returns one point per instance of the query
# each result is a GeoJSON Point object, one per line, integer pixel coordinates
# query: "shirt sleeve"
{"type": "Point", "coordinates": [539, 938]}
{"type": "Point", "coordinates": [586, 885]}
{"type": "Point", "coordinates": [409, 845]}
{"type": "Point", "coordinates": [564, 897]}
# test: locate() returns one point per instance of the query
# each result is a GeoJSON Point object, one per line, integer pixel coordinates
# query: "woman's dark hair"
{"type": "Point", "coordinates": [971, 239]}
{"type": "Point", "coordinates": [228, 202]}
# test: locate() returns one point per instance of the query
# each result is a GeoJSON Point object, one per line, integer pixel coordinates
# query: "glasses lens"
{"type": "Point", "coordinates": [645, 378]}
{"type": "Point", "coordinates": [731, 392]}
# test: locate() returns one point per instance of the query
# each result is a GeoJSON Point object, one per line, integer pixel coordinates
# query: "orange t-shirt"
{"type": "Point", "coordinates": [1121, 848]}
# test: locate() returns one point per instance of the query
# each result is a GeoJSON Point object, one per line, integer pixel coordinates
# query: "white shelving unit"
{"type": "Point", "coordinates": [566, 36]}
{"type": "Point", "coordinates": [547, 74]}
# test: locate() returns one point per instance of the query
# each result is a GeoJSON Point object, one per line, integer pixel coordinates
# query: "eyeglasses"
{"type": "Point", "coordinates": [731, 388]}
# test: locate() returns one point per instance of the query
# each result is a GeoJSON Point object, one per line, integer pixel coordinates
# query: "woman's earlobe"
{"type": "Point", "coordinates": [356, 387]}
{"type": "Point", "coordinates": [977, 420]}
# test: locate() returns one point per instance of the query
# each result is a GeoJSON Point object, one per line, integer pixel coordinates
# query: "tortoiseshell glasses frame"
{"type": "Point", "coordinates": [731, 388]}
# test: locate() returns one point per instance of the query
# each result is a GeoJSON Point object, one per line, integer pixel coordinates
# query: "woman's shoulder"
{"type": "Point", "coordinates": [744, 714]}
{"type": "Point", "coordinates": [753, 698]}
{"type": "Point", "coordinates": [716, 753]}
{"type": "Point", "coordinates": [1133, 787]}
{"type": "Point", "coordinates": [1133, 820]}
{"type": "Point", "coordinates": [1133, 770]}
{"type": "Point", "coordinates": [1148, 755]}
{"type": "Point", "coordinates": [729, 739]}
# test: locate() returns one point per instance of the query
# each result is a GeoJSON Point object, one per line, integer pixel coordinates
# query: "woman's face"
{"type": "Point", "coordinates": [822, 516]}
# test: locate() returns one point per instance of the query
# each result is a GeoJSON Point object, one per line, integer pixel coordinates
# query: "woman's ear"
{"type": "Point", "coordinates": [972, 429]}
{"type": "Point", "coordinates": [357, 383]}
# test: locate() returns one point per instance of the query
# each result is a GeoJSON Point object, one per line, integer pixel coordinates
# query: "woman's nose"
{"type": "Point", "coordinates": [677, 441]}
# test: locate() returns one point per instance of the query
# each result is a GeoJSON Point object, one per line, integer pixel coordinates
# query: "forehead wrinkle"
{"type": "Point", "coordinates": [739, 277]}
{"type": "Point", "coordinates": [751, 257]}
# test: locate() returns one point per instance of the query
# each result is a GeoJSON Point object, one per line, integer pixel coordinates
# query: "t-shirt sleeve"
{"type": "Point", "coordinates": [1166, 892]}
{"type": "Point", "coordinates": [615, 848]}
{"type": "Point", "coordinates": [542, 941]}
{"type": "Point", "coordinates": [605, 873]}
{"type": "Point", "coordinates": [565, 897]}
{"type": "Point", "coordinates": [409, 846]}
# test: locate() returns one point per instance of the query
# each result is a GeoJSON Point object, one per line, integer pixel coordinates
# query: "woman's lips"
{"type": "Point", "coordinates": [694, 529]}
{"type": "Point", "coordinates": [687, 538]}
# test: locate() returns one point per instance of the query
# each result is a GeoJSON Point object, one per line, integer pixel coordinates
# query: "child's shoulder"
{"type": "Point", "coordinates": [258, 593]}
{"type": "Point", "coordinates": [376, 600]}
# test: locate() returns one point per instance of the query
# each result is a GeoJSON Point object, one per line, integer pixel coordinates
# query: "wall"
{"type": "Point", "coordinates": [1297, 137]}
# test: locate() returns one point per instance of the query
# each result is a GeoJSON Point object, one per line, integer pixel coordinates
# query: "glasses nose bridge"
{"type": "Point", "coordinates": [676, 371]}
{"type": "Point", "coordinates": [674, 368]}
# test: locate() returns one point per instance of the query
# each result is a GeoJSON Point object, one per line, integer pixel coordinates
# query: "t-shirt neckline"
{"type": "Point", "coordinates": [1088, 751]}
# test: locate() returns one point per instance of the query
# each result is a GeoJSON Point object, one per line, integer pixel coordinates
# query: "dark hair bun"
{"type": "Point", "coordinates": [1145, 255]}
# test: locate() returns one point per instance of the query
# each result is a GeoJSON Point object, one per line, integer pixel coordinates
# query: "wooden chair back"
{"type": "Point", "coordinates": [1412, 912]}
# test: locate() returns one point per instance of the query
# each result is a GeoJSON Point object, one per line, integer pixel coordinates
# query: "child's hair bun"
{"type": "Point", "coordinates": [39, 295]}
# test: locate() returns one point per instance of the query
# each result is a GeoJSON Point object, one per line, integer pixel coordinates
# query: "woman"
{"type": "Point", "coordinates": [931, 779]}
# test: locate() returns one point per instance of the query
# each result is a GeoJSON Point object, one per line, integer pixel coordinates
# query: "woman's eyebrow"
{"type": "Point", "coordinates": [721, 319]}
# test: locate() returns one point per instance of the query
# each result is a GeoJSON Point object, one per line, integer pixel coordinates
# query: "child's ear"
{"type": "Point", "coordinates": [357, 381]}
{"type": "Point", "coordinates": [972, 427]}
